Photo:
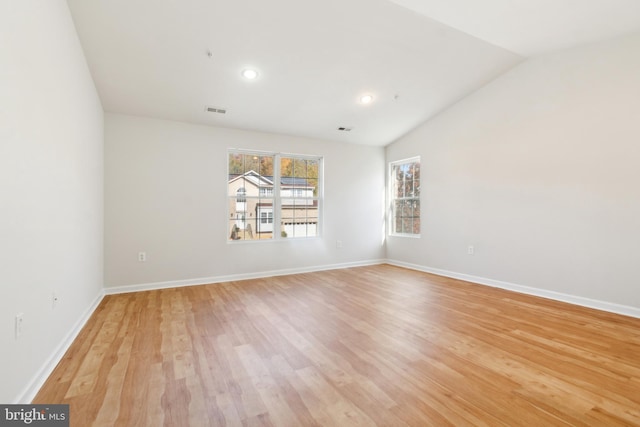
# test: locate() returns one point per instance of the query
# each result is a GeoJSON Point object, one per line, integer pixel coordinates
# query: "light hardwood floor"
{"type": "Point", "coordinates": [377, 345]}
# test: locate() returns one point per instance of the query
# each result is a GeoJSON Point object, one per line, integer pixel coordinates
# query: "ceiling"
{"type": "Point", "coordinates": [533, 27]}
{"type": "Point", "coordinates": [171, 59]}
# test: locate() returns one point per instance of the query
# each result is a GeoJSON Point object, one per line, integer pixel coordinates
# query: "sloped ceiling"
{"type": "Point", "coordinates": [534, 27]}
{"type": "Point", "coordinates": [170, 59]}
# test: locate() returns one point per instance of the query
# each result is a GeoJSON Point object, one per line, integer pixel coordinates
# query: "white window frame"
{"type": "Point", "coordinates": [278, 197]}
{"type": "Point", "coordinates": [393, 198]}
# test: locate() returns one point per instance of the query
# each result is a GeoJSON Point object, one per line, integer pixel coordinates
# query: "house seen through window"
{"type": "Point", "coordinates": [405, 197]}
{"type": "Point", "coordinates": [273, 196]}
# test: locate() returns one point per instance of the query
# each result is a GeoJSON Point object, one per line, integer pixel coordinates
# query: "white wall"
{"type": "Point", "coordinates": [166, 195]}
{"type": "Point", "coordinates": [51, 140]}
{"type": "Point", "coordinates": [540, 171]}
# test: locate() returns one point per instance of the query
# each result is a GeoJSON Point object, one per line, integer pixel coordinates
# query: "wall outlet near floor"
{"type": "Point", "coordinates": [339, 244]}
{"type": "Point", "coordinates": [142, 256]}
{"type": "Point", "coordinates": [19, 320]}
{"type": "Point", "coordinates": [470, 250]}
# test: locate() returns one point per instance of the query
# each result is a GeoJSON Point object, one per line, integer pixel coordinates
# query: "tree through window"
{"type": "Point", "coordinates": [405, 197]}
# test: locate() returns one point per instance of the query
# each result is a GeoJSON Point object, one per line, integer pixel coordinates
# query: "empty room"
{"type": "Point", "coordinates": [333, 213]}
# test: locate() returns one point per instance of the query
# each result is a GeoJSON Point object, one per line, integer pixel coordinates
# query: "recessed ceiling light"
{"type": "Point", "coordinates": [366, 99]}
{"type": "Point", "coordinates": [249, 74]}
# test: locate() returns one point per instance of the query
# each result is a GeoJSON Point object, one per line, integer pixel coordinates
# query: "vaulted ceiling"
{"type": "Point", "coordinates": [171, 59]}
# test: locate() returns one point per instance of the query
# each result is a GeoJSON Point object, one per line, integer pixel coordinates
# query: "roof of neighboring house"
{"type": "Point", "coordinates": [314, 204]}
{"type": "Point", "coordinates": [262, 181]}
{"type": "Point", "coordinates": [298, 182]}
{"type": "Point", "coordinates": [253, 177]}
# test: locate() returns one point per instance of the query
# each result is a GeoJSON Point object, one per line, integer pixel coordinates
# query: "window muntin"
{"type": "Point", "coordinates": [273, 196]}
{"type": "Point", "coordinates": [405, 197]}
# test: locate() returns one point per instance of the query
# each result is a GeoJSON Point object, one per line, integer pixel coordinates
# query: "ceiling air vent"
{"type": "Point", "coordinates": [215, 110]}
{"type": "Point", "coordinates": [344, 129]}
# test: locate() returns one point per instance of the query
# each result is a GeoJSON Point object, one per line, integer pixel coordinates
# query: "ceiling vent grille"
{"type": "Point", "coordinates": [215, 110]}
{"type": "Point", "coordinates": [344, 129]}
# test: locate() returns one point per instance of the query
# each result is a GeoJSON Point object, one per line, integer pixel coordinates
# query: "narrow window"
{"type": "Point", "coordinates": [299, 196]}
{"type": "Point", "coordinates": [405, 197]}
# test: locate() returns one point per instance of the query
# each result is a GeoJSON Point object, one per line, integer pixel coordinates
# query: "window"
{"type": "Point", "coordinates": [405, 197]}
{"type": "Point", "coordinates": [242, 195]}
{"type": "Point", "coordinates": [273, 196]}
{"type": "Point", "coordinates": [266, 217]}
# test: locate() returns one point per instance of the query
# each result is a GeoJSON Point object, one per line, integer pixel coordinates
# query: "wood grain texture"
{"type": "Point", "coordinates": [366, 346]}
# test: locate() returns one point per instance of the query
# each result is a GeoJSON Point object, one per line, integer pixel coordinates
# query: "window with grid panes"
{"type": "Point", "coordinates": [405, 197]}
{"type": "Point", "coordinates": [273, 196]}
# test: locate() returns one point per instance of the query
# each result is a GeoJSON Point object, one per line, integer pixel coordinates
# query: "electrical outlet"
{"type": "Point", "coordinates": [339, 244]}
{"type": "Point", "coordinates": [142, 256]}
{"type": "Point", "coordinates": [19, 321]}
{"type": "Point", "coordinates": [470, 250]}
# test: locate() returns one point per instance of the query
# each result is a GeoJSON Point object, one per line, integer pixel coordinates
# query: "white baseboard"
{"type": "Point", "coordinates": [558, 296]}
{"type": "Point", "coordinates": [30, 391]}
{"type": "Point", "coordinates": [233, 277]}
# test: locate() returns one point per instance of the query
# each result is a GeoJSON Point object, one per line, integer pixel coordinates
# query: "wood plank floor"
{"type": "Point", "coordinates": [377, 345]}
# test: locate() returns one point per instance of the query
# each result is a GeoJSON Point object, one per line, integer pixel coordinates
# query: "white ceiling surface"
{"type": "Point", "coordinates": [532, 27]}
{"type": "Point", "coordinates": [315, 59]}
